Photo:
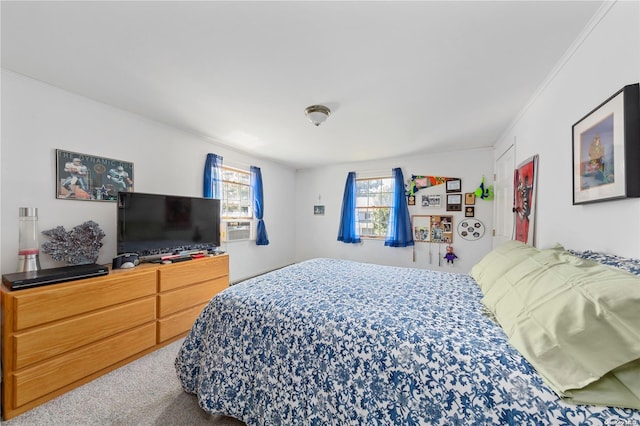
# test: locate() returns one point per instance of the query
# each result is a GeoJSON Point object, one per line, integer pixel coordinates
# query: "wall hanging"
{"type": "Point", "coordinates": [416, 183]}
{"type": "Point", "coordinates": [450, 255]}
{"type": "Point", "coordinates": [471, 229]}
{"type": "Point", "coordinates": [524, 200]}
{"type": "Point", "coordinates": [484, 192]}
{"type": "Point", "coordinates": [469, 211]}
{"type": "Point", "coordinates": [454, 185]}
{"type": "Point", "coordinates": [470, 199]}
{"type": "Point", "coordinates": [606, 149]}
{"type": "Point", "coordinates": [454, 202]}
{"type": "Point", "coordinates": [432, 200]}
{"type": "Point", "coordinates": [91, 178]}
{"type": "Point", "coordinates": [432, 229]}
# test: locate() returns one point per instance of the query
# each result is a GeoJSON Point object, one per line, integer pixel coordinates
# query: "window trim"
{"type": "Point", "coordinates": [251, 216]}
{"type": "Point", "coordinates": [371, 208]}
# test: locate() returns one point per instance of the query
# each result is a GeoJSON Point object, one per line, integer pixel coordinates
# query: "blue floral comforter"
{"type": "Point", "coordinates": [334, 342]}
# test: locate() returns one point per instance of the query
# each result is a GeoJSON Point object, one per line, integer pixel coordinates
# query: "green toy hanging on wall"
{"type": "Point", "coordinates": [484, 192]}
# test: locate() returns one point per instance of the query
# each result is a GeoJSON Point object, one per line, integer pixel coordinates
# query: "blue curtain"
{"type": "Point", "coordinates": [348, 231]}
{"type": "Point", "coordinates": [399, 229]}
{"type": "Point", "coordinates": [213, 177]}
{"type": "Point", "coordinates": [258, 206]}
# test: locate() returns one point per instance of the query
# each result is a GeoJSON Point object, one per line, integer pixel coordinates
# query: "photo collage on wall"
{"type": "Point", "coordinates": [432, 229]}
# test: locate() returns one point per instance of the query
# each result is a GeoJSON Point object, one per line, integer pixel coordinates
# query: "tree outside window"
{"type": "Point", "coordinates": [236, 194]}
{"type": "Point", "coordinates": [373, 204]}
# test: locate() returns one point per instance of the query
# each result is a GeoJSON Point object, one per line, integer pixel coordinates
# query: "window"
{"type": "Point", "coordinates": [236, 194]}
{"type": "Point", "coordinates": [373, 203]}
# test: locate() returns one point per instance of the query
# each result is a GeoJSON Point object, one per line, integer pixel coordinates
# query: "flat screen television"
{"type": "Point", "coordinates": [153, 225]}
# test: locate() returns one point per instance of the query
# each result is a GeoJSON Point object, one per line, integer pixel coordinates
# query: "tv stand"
{"type": "Point", "coordinates": [58, 337]}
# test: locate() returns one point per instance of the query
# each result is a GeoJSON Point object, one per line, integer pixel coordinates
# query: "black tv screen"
{"type": "Point", "coordinates": [152, 225]}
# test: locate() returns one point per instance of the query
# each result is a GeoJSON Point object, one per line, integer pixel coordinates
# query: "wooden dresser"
{"type": "Point", "coordinates": [58, 337]}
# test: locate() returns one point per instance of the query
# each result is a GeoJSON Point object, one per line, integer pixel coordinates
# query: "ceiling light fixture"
{"type": "Point", "coordinates": [317, 114]}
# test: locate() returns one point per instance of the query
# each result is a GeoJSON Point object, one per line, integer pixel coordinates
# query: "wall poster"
{"type": "Point", "coordinates": [524, 200]}
{"type": "Point", "coordinates": [91, 178]}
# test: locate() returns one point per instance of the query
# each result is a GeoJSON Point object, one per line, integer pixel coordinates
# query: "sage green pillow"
{"type": "Point", "coordinates": [498, 261]}
{"type": "Point", "coordinates": [575, 322]}
{"type": "Point", "coordinates": [618, 388]}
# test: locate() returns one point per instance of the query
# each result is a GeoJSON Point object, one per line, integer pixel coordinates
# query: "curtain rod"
{"type": "Point", "coordinates": [236, 164]}
{"type": "Point", "coordinates": [375, 172]}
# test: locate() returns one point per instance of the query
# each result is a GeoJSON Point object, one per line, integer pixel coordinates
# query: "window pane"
{"type": "Point", "coordinates": [385, 199]}
{"type": "Point", "coordinates": [244, 178]}
{"type": "Point", "coordinates": [236, 191]}
{"type": "Point", "coordinates": [375, 185]}
{"type": "Point", "coordinates": [244, 194]}
{"type": "Point", "coordinates": [362, 201]}
{"type": "Point", "coordinates": [380, 221]}
{"type": "Point", "coordinates": [362, 187]}
{"type": "Point", "coordinates": [373, 222]}
{"type": "Point", "coordinates": [373, 202]}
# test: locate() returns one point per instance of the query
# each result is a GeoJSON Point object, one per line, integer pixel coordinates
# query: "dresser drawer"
{"type": "Point", "coordinates": [56, 338]}
{"type": "Point", "coordinates": [65, 300]}
{"type": "Point", "coordinates": [186, 297]}
{"type": "Point", "coordinates": [58, 372]}
{"type": "Point", "coordinates": [193, 271]}
{"type": "Point", "coordinates": [177, 324]}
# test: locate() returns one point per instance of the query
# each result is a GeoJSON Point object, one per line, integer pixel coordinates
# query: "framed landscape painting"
{"type": "Point", "coordinates": [606, 150]}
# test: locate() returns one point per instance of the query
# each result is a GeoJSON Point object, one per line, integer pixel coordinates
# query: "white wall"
{"type": "Point", "coordinates": [316, 236]}
{"type": "Point", "coordinates": [38, 118]}
{"type": "Point", "coordinates": [601, 63]}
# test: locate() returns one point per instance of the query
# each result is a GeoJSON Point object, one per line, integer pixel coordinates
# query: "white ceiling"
{"type": "Point", "coordinates": [400, 77]}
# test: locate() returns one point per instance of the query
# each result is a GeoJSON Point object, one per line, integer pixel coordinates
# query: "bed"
{"type": "Point", "coordinates": [335, 342]}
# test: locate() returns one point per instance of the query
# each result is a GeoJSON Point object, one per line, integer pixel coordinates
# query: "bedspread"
{"type": "Point", "coordinates": [334, 342]}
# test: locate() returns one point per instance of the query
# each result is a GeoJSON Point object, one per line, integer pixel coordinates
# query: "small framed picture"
{"type": "Point", "coordinates": [421, 228]}
{"type": "Point", "coordinates": [432, 200]}
{"type": "Point", "coordinates": [454, 202]}
{"type": "Point", "coordinates": [454, 185]}
{"type": "Point", "coordinates": [469, 211]}
{"type": "Point", "coordinates": [441, 229]}
{"type": "Point", "coordinates": [470, 198]}
{"type": "Point", "coordinates": [318, 210]}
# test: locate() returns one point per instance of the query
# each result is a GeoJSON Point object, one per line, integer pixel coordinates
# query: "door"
{"type": "Point", "coordinates": [503, 193]}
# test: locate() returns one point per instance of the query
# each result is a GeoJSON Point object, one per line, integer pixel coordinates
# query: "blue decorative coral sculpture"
{"type": "Point", "coordinates": [78, 246]}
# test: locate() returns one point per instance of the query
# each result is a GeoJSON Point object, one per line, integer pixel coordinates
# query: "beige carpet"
{"type": "Point", "coordinates": [144, 392]}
